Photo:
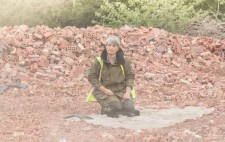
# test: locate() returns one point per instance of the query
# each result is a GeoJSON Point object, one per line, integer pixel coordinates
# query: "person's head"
{"type": "Point", "coordinates": [112, 44]}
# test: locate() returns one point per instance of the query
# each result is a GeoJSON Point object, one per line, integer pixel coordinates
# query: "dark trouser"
{"type": "Point", "coordinates": [111, 103]}
{"type": "Point", "coordinates": [113, 106]}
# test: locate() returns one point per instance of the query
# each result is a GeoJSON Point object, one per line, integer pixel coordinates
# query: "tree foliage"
{"type": "Point", "coordinates": [214, 8]}
{"type": "Point", "coordinates": [173, 15]}
{"type": "Point", "coordinates": [53, 13]}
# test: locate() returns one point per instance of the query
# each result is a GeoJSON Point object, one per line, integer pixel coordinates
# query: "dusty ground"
{"type": "Point", "coordinates": [39, 118]}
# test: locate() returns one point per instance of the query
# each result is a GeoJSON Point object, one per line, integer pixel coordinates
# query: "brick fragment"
{"type": "Point", "coordinates": [39, 75]}
{"type": "Point", "coordinates": [176, 63]}
{"type": "Point", "coordinates": [29, 50]}
{"type": "Point", "coordinates": [81, 46]}
{"type": "Point", "coordinates": [68, 61]}
{"type": "Point", "coordinates": [38, 36]}
{"type": "Point", "coordinates": [205, 55]}
{"type": "Point", "coordinates": [56, 53]}
{"type": "Point", "coordinates": [33, 68]}
{"type": "Point", "coordinates": [63, 44]}
{"type": "Point", "coordinates": [48, 34]}
{"type": "Point", "coordinates": [43, 61]}
{"type": "Point", "coordinates": [45, 52]}
{"type": "Point", "coordinates": [24, 28]}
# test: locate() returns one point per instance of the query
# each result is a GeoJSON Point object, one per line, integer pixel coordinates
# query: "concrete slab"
{"type": "Point", "coordinates": [149, 119]}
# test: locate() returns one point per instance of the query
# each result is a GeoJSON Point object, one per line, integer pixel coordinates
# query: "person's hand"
{"type": "Point", "coordinates": [108, 92]}
{"type": "Point", "coordinates": [126, 96]}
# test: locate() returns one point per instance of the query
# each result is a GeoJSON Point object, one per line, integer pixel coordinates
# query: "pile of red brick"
{"type": "Point", "coordinates": [45, 53]}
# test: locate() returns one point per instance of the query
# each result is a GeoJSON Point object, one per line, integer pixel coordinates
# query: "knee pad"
{"type": "Point", "coordinates": [128, 105]}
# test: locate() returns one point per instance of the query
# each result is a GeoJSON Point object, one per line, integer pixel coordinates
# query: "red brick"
{"type": "Point", "coordinates": [29, 50]}
{"type": "Point", "coordinates": [63, 44]}
{"type": "Point", "coordinates": [206, 55]}
{"type": "Point", "coordinates": [24, 28]}
{"type": "Point", "coordinates": [43, 61]}
{"type": "Point", "coordinates": [24, 77]}
{"type": "Point", "coordinates": [27, 62]}
{"type": "Point", "coordinates": [45, 52]}
{"type": "Point", "coordinates": [33, 68]}
{"type": "Point", "coordinates": [17, 43]}
{"type": "Point", "coordinates": [38, 36]}
{"type": "Point", "coordinates": [76, 71]}
{"type": "Point", "coordinates": [39, 75]}
{"type": "Point", "coordinates": [68, 61]}
{"type": "Point", "coordinates": [47, 34]}
{"type": "Point", "coordinates": [176, 63]}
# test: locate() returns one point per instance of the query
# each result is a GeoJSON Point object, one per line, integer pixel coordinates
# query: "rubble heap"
{"type": "Point", "coordinates": [159, 58]}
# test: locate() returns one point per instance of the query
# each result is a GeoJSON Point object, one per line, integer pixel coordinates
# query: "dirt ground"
{"type": "Point", "coordinates": [39, 118]}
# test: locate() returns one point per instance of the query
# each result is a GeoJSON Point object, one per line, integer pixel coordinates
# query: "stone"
{"type": "Point", "coordinates": [38, 36]}
{"type": "Point", "coordinates": [81, 46]}
{"type": "Point", "coordinates": [149, 76]}
{"type": "Point", "coordinates": [63, 44]}
{"type": "Point", "coordinates": [176, 63]}
{"type": "Point", "coordinates": [68, 61]}
{"type": "Point", "coordinates": [184, 81]}
{"type": "Point", "coordinates": [45, 52]}
{"type": "Point", "coordinates": [39, 75]}
{"type": "Point", "coordinates": [58, 67]}
{"type": "Point", "coordinates": [47, 34]}
{"type": "Point", "coordinates": [56, 53]}
{"type": "Point", "coordinates": [197, 49]}
{"type": "Point", "coordinates": [16, 134]}
{"type": "Point", "coordinates": [206, 55]}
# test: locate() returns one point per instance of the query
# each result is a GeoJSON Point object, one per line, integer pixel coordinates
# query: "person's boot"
{"type": "Point", "coordinates": [137, 112]}
{"type": "Point", "coordinates": [131, 113]}
{"type": "Point", "coordinates": [112, 114]}
{"type": "Point", "coordinates": [103, 111]}
{"type": "Point", "coordinates": [113, 109]}
{"type": "Point", "coordinates": [129, 109]}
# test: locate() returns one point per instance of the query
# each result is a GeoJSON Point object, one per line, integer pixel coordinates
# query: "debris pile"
{"type": "Point", "coordinates": [159, 58]}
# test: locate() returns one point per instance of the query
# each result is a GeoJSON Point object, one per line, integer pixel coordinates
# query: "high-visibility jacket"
{"type": "Point", "coordinates": [91, 98]}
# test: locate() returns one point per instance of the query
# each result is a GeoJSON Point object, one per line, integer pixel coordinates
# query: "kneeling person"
{"type": "Point", "coordinates": [113, 81]}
